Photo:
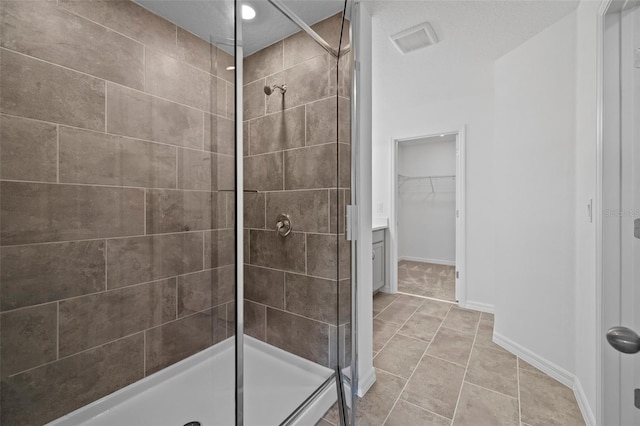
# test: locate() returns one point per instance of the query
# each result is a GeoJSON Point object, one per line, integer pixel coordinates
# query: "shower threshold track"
{"type": "Point", "coordinates": [202, 388]}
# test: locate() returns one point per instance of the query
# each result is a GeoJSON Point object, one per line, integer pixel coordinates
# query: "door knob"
{"type": "Point", "coordinates": [624, 340]}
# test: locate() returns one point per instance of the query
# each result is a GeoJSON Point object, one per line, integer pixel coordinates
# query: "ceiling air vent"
{"type": "Point", "coordinates": [415, 38]}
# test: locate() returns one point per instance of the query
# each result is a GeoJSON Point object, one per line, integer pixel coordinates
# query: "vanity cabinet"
{"type": "Point", "coordinates": [378, 256]}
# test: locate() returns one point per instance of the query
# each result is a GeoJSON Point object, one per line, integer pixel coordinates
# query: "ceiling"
{"type": "Point", "coordinates": [477, 30]}
{"type": "Point", "coordinates": [212, 20]}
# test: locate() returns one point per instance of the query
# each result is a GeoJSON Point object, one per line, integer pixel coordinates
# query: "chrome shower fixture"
{"type": "Point", "coordinates": [268, 90]}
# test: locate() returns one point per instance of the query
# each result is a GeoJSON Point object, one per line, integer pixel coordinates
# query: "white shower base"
{"type": "Point", "coordinates": [202, 388]}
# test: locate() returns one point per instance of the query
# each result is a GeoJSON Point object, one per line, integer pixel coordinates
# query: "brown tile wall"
{"type": "Point", "coordinates": [296, 151]}
{"type": "Point", "coordinates": [116, 172]}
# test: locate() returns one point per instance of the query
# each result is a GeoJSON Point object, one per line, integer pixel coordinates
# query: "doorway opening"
{"type": "Point", "coordinates": [427, 241]}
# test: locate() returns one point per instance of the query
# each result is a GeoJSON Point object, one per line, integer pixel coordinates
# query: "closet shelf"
{"type": "Point", "coordinates": [430, 184]}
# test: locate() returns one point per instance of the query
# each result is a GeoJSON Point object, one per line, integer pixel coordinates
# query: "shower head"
{"type": "Point", "coordinates": [268, 90]}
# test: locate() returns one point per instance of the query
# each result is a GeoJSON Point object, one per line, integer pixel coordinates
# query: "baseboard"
{"type": "Point", "coordinates": [425, 260]}
{"type": "Point", "coordinates": [583, 403]}
{"type": "Point", "coordinates": [560, 374]}
{"type": "Point", "coordinates": [478, 306]}
{"type": "Point", "coordinates": [542, 364]}
{"type": "Point", "coordinates": [366, 381]}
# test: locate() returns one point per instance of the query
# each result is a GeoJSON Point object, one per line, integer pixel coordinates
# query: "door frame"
{"type": "Point", "coordinates": [461, 196]}
{"type": "Point", "coordinates": [608, 313]}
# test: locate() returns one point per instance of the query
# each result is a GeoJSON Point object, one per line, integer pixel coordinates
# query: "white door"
{"type": "Point", "coordinates": [621, 223]}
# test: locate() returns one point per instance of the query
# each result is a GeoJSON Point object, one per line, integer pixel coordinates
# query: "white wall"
{"type": "Point", "coordinates": [585, 163]}
{"type": "Point", "coordinates": [426, 219]}
{"type": "Point", "coordinates": [534, 177]}
{"type": "Point", "coordinates": [412, 97]}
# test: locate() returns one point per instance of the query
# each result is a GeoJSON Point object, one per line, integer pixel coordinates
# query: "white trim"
{"type": "Point", "coordinates": [478, 306]}
{"type": "Point", "coordinates": [554, 371]}
{"type": "Point", "coordinates": [583, 403]}
{"type": "Point", "coordinates": [366, 381]}
{"type": "Point", "coordinates": [461, 240]}
{"type": "Point", "coordinates": [425, 260]}
{"type": "Point", "coordinates": [542, 364]}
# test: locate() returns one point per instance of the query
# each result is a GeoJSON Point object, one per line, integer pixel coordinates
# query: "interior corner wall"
{"type": "Point", "coordinates": [412, 96]}
{"type": "Point", "coordinates": [534, 176]}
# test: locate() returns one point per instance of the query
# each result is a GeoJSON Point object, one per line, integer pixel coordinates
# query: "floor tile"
{"type": "Point", "coordinates": [435, 386]}
{"type": "Point", "coordinates": [484, 316]}
{"type": "Point", "coordinates": [400, 356]}
{"type": "Point", "coordinates": [462, 320]}
{"type": "Point", "coordinates": [545, 401]}
{"type": "Point", "coordinates": [526, 366]}
{"type": "Point", "coordinates": [378, 402]}
{"type": "Point", "coordinates": [482, 407]}
{"type": "Point", "coordinates": [405, 414]}
{"type": "Point", "coordinates": [382, 300]}
{"type": "Point", "coordinates": [382, 332]}
{"type": "Point", "coordinates": [451, 345]}
{"type": "Point", "coordinates": [435, 309]}
{"type": "Point", "coordinates": [421, 326]}
{"type": "Point", "coordinates": [427, 279]}
{"type": "Point", "coordinates": [493, 369]}
{"type": "Point", "coordinates": [397, 312]}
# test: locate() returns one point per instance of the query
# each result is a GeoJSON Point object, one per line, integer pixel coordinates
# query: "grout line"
{"type": "Point", "coordinates": [284, 168]}
{"type": "Point", "coordinates": [177, 295]}
{"type": "Point", "coordinates": [144, 67]}
{"type": "Point", "coordinates": [58, 153]}
{"type": "Point", "coordinates": [518, 382]}
{"type": "Point", "coordinates": [417, 365]}
{"type": "Point", "coordinates": [177, 169]}
{"type": "Point", "coordinates": [427, 298]}
{"type": "Point", "coordinates": [99, 185]}
{"type": "Point", "coordinates": [144, 353]}
{"type": "Point", "coordinates": [490, 390]}
{"type": "Point", "coordinates": [123, 237]}
{"type": "Point", "coordinates": [57, 330]}
{"type": "Point", "coordinates": [106, 265]}
{"type": "Point", "coordinates": [144, 211]}
{"type": "Point", "coordinates": [429, 411]}
{"type": "Point", "coordinates": [204, 251]}
{"type": "Point", "coordinates": [466, 370]}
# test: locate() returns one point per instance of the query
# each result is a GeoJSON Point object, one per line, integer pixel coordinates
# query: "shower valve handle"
{"type": "Point", "coordinates": [283, 225]}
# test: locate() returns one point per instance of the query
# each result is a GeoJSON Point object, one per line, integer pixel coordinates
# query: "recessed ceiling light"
{"type": "Point", "coordinates": [248, 12]}
{"type": "Point", "coordinates": [231, 68]}
{"type": "Point", "coordinates": [442, 136]}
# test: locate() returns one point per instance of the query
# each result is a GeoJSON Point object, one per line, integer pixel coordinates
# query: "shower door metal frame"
{"type": "Point", "coordinates": [307, 29]}
{"type": "Point", "coordinates": [239, 219]}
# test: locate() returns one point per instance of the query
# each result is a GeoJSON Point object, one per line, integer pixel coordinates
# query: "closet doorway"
{"type": "Point", "coordinates": [427, 253]}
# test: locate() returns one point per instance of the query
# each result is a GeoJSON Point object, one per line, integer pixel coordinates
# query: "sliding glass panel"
{"type": "Point", "coordinates": [296, 178]}
{"type": "Point", "coordinates": [117, 193]}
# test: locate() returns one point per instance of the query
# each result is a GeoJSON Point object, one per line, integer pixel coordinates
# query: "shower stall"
{"type": "Point", "coordinates": [174, 181]}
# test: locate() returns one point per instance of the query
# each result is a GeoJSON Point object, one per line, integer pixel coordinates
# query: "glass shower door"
{"type": "Point", "coordinates": [297, 304]}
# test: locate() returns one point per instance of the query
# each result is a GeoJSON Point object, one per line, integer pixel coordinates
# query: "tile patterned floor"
{"type": "Point", "coordinates": [436, 364]}
{"type": "Point", "coordinates": [427, 279]}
